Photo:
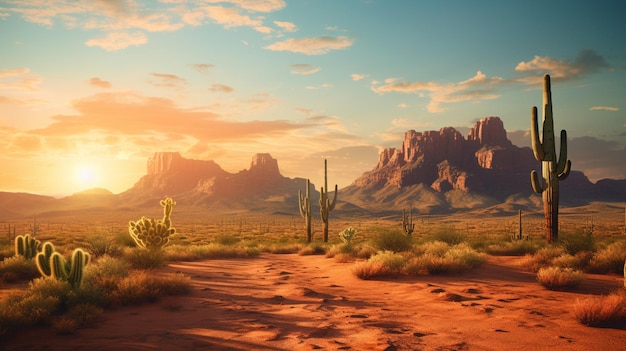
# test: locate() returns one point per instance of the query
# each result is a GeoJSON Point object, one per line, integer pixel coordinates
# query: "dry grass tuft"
{"type": "Point", "coordinates": [557, 278]}
{"type": "Point", "coordinates": [601, 311]}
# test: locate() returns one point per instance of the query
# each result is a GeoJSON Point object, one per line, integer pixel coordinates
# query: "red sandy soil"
{"type": "Point", "coordinates": [291, 302]}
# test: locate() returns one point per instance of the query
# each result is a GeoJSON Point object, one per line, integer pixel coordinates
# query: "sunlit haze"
{"type": "Point", "coordinates": [90, 89]}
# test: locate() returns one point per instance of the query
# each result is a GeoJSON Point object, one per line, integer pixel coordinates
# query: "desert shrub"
{"type": "Point", "coordinates": [141, 287]}
{"type": "Point", "coordinates": [123, 239]}
{"type": "Point", "coordinates": [577, 242]}
{"type": "Point", "coordinates": [513, 248]}
{"type": "Point", "coordinates": [601, 311]}
{"type": "Point", "coordinates": [448, 235]}
{"type": "Point", "coordinates": [440, 258]}
{"type": "Point", "coordinates": [609, 259]}
{"type": "Point", "coordinates": [17, 268]}
{"type": "Point", "coordinates": [284, 248]}
{"type": "Point", "coordinates": [557, 278]}
{"type": "Point", "coordinates": [209, 251]}
{"type": "Point", "coordinates": [146, 259]}
{"type": "Point", "coordinates": [383, 263]}
{"type": "Point", "coordinates": [578, 261]}
{"type": "Point", "coordinates": [100, 244]}
{"type": "Point", "coordinates": [312, 249]}
{"type": "Point", "coordinates": [365, 252]}
{"type": "Point", "coordinates": [542, 258]}
{"type": "Point", "coordinates": [226, 239]}
{"type": "Point", "coordinates": [79, 315]}
{"type": "Point", "coordinates": [392, 240]}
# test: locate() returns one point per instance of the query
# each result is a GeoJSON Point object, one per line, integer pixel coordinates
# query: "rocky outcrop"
{"type": "Point", "coordinates": [486, 162]}
{"type": "Point", "coordinates": [205, 183]}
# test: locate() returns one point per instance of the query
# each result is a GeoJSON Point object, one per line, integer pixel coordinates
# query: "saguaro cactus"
{"type": "Point", "coordinates": [304, 204]}
{"type": "Point", "coordinates": [407, 222]}
{"type": "Point", "coordinates": [553, 169]}
{"type": "Point", "coordinates": [52, 264]}
{"type": "Point", "coordinates": [325, 204]}
{"type": "Point", "coordinates": [27, 246]}
{"type": "Point", "coordinates": [153, 234]}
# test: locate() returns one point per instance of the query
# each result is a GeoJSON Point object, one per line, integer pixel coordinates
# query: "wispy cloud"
{"type": "Point", "coordinates": [202, 67]}
{"type": "Point", "coordinates": [312, 46]}
{"type": "Point", "coordinates": [19, 79]}
{"type": "Point", "coordinates": [220, 88]}
{"type": "Point", "coordinates": [304, 69]}
{"type": "Point", "coordinates": [97, 82]}
{"type": "Point", "coordinates": [358, 76]}
{"type": "Point", "coordinates": [167, 80]}
{"type": "Point", "coordinates": [586, 62]}
{"type": "Point", "coordinates": [479, 87]}
{"type": "Point", "coordinates": [321, 86]}
{"type": "Point", "coordinates": [604, 108]}
{"type": "Point", "coordinates": [286, 26]}
{"type": "Point", "coordinates": [114, 41]}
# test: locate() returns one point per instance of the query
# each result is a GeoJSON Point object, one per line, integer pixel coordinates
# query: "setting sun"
{"type": "Point", "coordinates": [85, 175]}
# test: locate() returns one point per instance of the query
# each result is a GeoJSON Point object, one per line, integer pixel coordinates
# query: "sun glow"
{"type": "Point", "coordinates": [85, 175]}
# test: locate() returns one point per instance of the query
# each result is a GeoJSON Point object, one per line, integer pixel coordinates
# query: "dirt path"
{"type": "Point", "coordinates": [291, 302]}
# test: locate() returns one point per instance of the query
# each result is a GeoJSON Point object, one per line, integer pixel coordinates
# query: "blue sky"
{"type": "Point", "coordinates": [89, 90]}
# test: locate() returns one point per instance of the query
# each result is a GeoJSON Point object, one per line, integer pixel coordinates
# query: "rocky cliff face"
{"type": "Point", "coordinates": [445, 160]}
{"type": "Point", "coordinates": [205, 183]}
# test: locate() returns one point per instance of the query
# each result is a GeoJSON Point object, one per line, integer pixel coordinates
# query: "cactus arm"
{"type": "Point", "coordinates": [564, 165]}
{"type": "Point", "coordinates": [534, 136]}
{"type": "Point", "coordinates": [537, 185]}
{"type": "Point", "coordinates": [58, 265]}
{"type": "Point", "coordinates": [331, 206]}
{"type": "Point", "coordinates": [43, 259]}
{"type": "Point", "coordinates": [80, 259]}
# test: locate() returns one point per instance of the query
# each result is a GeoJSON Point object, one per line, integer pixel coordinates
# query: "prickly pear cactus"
{"type": "Point", "coordinates": [153, 234]}
{"type": "Point", "coordinates": [27, 246]}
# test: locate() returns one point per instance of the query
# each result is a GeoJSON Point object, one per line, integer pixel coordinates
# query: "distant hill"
{"type": "Point", "coordinates": [432, 171]}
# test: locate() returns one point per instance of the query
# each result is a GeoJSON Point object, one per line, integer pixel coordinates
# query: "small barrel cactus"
{"type": "Point", "coordinates": [27, 246]}
{"type": "Point", "coordinates": [153, 234]}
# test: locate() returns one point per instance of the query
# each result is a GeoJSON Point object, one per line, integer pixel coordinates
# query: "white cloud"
{"type": "Point", "coordinates": [604, 108]}
{"type": "Point", "coordinates": [358, 76]}
{"type": "Point", "coordinates": [312, 46]}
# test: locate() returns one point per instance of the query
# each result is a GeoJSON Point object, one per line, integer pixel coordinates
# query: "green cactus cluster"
{"type": "Point", "coordinates": [347, 235]}
{"type": "Point", "coordinates": [326, 205]}
{"type": "Point", "coordinates": [52, 264]}
{"type": "Point", "coordinates": [304, 204]}
{"type": "Point", "coordinates": [553, 169]}
{"type": "Point", "coordinates": [407, 222]}
{"type": "Point", "coordinates": [27, 246]}
{"type": "Point", "coordinates": [154, 234]}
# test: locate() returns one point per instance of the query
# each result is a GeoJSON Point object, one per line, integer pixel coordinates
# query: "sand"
{"type": "Point", "coordinates": [291, 302]}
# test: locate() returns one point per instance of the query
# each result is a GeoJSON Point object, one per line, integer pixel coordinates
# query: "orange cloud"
{"type": "Point", "coordinates": [312, 46]}
{"type": "Point", "coordinates": [587, 61]}
{"type": "Point", "coordinates": [118, 40]}
{"type": "Point", "coordinates": [202, 67]}
{"type": "Point", "coordinates": [220, 88]}
{"type": "Point", "coordinates": [604, 108]}
{"type": "Point", "coordinates": [167, 80]}
{"type": "Point", "coordinates": [19, 79]}
{"type": "Point", "coordinates": [479, 87]}
{"type": "Point", "coordinates": [286, 26]}
{"type": "Point", "coordinates": [97, 82]}
{"type": "Point", "coordinates": [230, 17]}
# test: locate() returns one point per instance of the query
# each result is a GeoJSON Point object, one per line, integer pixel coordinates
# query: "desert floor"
{"type": "Point", "coordinates": [291, 302]}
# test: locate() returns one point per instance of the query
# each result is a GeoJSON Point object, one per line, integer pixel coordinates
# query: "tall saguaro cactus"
{"type": "Point", "coordinates": [325, 204]}
{"type": "Point", "coordinates": [553, 169]}
{"type": "Point", "coordinates": [304, 204]}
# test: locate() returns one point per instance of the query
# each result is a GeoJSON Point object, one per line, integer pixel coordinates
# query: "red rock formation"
{"type": "Point", "coordinates": [445, 160]}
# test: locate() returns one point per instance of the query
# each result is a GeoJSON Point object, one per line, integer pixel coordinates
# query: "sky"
{"type": "Point", "coordinates": [89, 90]}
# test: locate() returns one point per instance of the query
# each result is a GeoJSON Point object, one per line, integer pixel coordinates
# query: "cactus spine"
{"type": "Point", "coordinates": [27, 246]}
{"type": "Point", "coordinates": [407, 222]}
{"type": "Point", "coordinates": [325, 204]}
{"type": "Point", "coordinates": [153, 234]}
{"type": "Point", "coordinates": [304, 204]}
{"type": "Point", "coordinates": [553, 169]}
